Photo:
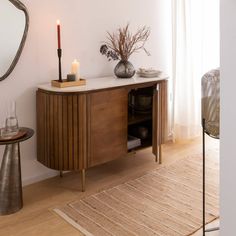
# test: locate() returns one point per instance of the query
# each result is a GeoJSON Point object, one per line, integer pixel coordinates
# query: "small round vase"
{"type": "Point", "coordinates": [124, 70]}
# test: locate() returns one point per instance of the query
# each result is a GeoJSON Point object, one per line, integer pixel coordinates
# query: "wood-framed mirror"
{"type": "Point", "coordinates": [14, 24]}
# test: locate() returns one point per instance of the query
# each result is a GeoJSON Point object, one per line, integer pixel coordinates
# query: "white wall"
{"type": "Point", "coordinates": [228, 117]}
{"type": "Point", "coordinates": [84, 26]}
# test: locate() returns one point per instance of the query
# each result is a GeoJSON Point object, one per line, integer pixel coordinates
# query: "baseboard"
{"type": "Point", "coordinates": [38, 178]}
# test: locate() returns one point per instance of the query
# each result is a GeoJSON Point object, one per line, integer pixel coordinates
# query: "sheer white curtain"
{"type": "Point", "coordinates": [195, 51]}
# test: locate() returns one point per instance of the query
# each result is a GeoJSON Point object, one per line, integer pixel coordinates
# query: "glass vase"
{"type": "Point", "coordinates": [124, 69]}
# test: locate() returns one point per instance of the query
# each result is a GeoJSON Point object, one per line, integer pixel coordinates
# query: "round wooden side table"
{"type": "Point", "coordinates": [11, 199]}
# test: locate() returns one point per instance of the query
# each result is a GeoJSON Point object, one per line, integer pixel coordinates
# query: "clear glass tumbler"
{"type": "Point", "coordinates": [2, 129]}
{"type": "Point", "coordinates": [11, 126]}
{"type": "Point", "coordinates": [3, 113]}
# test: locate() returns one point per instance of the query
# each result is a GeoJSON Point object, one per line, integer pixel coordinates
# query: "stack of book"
{"type": "Point", "coordinates": [133, 142]}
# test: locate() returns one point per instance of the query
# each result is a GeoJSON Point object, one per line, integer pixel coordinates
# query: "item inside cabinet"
{"type": "Point", "coordinates": [133, 142]}
{"type": "Point", "coordinates": [140, 116]}
{"type": "Point", "coordinates": [140, 101]}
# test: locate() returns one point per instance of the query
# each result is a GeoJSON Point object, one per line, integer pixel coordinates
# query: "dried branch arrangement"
{"type": "Point", "coordinates": [122, 44]}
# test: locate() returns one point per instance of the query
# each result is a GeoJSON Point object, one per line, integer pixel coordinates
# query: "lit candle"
{"type": "Point", "coordinates": [59, 34]}
{"type": "Point", "coordinates": [75, 68]}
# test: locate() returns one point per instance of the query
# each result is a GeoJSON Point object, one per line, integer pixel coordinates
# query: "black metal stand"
{"type": "Point", "coordinates": [203, 177]}
{"type": "Point", "coordinates": [59, 53]}
{"type": "Point", "coordinates": [204, 230]}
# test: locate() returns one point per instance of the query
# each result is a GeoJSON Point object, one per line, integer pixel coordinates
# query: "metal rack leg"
{"type": "Point", "coordinates": [212, 229]}
{"type": "Point", "coordinates": [203, 177]}
{"type": "Point", "coordinates": [204, 183]}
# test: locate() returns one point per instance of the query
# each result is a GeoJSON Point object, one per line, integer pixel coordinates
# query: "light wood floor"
{"type": "Point", "coordinates": [37, 218]}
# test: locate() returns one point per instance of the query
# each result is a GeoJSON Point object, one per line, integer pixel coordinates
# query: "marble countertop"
{"type": "Point", "coordinates": [102, 83]}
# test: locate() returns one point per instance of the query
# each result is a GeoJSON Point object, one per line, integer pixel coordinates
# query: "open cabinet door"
{"type": "Point", "coordinates": [107, 125]}
{"type": "Point", "coordinates": [159, 126]}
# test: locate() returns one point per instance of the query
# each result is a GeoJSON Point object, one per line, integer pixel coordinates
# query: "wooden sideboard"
{"type": "Point", "coordinates": [85, 126]}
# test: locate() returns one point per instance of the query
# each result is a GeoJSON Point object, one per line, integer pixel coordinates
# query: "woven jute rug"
{"type": "Point", "coordinates": [166, 201]}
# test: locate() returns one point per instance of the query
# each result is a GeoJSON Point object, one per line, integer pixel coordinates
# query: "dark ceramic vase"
{"type": "Point", "coordinates": [124, 70]}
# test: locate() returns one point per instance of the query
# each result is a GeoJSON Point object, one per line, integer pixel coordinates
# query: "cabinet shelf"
{"type": "Point", "coordinates": [138, 118]}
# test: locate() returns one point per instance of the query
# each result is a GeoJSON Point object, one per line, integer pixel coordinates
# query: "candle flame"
{"type": "Point", "coordinates": [58, 22]}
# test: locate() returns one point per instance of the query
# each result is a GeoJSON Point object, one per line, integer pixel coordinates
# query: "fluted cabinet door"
{"type": "Point", "coordinates": [61, 130]}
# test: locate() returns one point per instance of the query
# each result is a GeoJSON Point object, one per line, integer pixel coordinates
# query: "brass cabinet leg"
{"type": "Point", "coordinates": [160, 154]}
{"type": "Point", "coordinates": [61, 173]}
{"type": "Point", "coordinates": [158, 157]}
{"type": "Point", "coordinates": [83, 180]}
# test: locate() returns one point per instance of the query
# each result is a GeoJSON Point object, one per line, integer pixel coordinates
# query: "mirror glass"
{"type": "Point", "coordinates": [12, 31]}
